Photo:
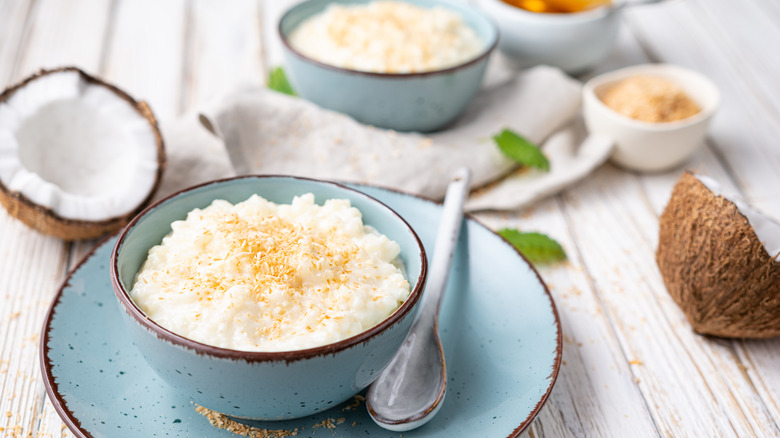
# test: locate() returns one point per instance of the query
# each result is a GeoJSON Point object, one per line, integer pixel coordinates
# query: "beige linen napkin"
{"type": "Point", "coordinates": [265, 132]}
{"type": "Point", "coordinates": [193, 155]}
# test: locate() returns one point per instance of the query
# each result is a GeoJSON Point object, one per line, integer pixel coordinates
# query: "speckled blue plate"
{"type": "Point", "coordinates": [499, 326]}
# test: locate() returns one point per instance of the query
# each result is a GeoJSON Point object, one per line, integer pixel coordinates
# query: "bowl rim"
{"type": "Point", "coordinates": [261, 356]}
{"type": "Point", "coordinates": [555, 18]}
{"type": "Point", "coordinates": [463, 9]}
{"type": "Point", "coordinates": [596, 104]}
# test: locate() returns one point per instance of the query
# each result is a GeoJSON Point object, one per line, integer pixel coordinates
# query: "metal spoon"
{"type": "Point", "coordinates": [410, 391]}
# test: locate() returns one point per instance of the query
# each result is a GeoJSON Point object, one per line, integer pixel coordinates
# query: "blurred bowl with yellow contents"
{"type": "Point", "coordinates": [574, 35]}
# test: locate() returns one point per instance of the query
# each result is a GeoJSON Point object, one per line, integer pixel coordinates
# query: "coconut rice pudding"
{"type": "Point", "coordinates": [260, 276]}
{"type": "Point", "coordinates": [387, 37]}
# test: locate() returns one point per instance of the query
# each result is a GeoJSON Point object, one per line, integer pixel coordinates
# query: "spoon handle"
{"type": "Point", "coordinates": [446, 242]}
{"type": "Point", "coordinates": [409, 392]}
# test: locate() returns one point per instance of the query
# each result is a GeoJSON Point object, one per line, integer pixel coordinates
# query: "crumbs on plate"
{"type": "Point", "coordinates": [355, 403]}
{"type": "Point", "coordinates": [223, 421]}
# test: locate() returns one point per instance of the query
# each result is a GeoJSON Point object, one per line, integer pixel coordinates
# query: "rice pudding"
{"type": "Point", "coordinates": [260, 276]}
{"type": "Point", "coordinates": [387, 37]}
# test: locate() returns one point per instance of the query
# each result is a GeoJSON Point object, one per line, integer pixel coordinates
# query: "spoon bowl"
{"type": "Point", "coordinates": [415, 383]}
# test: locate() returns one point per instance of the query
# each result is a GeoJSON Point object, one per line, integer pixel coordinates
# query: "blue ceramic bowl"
{"type": "Point", "coordinates": [264, 385]}
{"type": "Point", "coordinates": [405, 102]}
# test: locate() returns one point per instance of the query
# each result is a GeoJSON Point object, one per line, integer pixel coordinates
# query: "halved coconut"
{"type": "Point", "coordinates": [78, 157]}
{"type": "Point", "coordinates": [720, 260]}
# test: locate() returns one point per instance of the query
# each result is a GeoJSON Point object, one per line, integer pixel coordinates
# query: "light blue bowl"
{"type": "Point", "coordinates": [405, 102]}
{"type": "Point", "coordinates": [264, 385]}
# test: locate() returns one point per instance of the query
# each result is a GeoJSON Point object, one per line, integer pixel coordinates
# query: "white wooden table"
{"type": "Point", "coordinates": [631, 364]}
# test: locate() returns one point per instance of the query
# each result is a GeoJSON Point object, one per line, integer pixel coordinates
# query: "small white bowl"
{"type": "Point", "coordinates": [574, 42]}
{"type": "Point", "coordinates": [645, 146]}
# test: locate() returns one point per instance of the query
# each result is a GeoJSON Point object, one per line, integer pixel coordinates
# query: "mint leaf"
{"type": "Point", "coordinates": [536, 247]}
{"type": "Point", "coordinates": [521, 150]}
{"type": "Point", "coordinates": [277, 81]}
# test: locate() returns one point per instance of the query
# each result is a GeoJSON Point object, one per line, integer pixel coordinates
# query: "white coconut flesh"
{"type": "Point", "coordinates": [76, 148]}
{"type": "Point", "coordinates": [767, 230]}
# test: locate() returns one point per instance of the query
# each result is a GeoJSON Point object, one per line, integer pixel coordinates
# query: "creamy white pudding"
{"type": "Point", "coordinates": [387, 37]}
{"type": "Point", "coordinates": [260, 276]}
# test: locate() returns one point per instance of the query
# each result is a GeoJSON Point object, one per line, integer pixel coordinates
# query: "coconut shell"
{"type": "Point", "coordinates": [44, 219]}
{"type": "Point", "coordinates": [715, 267]}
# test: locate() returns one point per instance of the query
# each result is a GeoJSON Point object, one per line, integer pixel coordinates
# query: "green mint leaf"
{"type": "Point", "coordinates": [536, 247]}
{"type": "Point", "coordinates": [521, 150]}
{"type": "Point", "coordinates": [277, 81]}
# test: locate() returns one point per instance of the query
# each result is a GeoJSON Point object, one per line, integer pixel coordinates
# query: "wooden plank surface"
{"type": "Point", "coordinates": [631, 364]}
{"type": "Point", "coordinates": [224, 50]}
{"type": "Point", "coordinates": [744, 135]}
{"type": "Point", "coordinates": [596, 384]}
{"type": "Point", "coordinates": [146, 53]}
{"type": "Point", "coordinates": [14, 16]}
{"type": "Point", "coordinates": [31, 265]}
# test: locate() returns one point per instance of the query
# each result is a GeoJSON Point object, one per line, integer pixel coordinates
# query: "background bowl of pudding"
{"type": "Point", "coordinates": [572, 41]}
{"type": "Point", "coordinates": [643, 145]}
{"type": "Point", "coordinates": [424, 99]}
{"type": "Point", "coordinates": [267, 385]}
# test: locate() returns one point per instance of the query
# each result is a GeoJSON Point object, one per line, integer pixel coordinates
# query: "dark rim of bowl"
{"type": "Point", "coordinates": [262, 356]}
{"type": "Point", "coordinates": [486, 52]}
{"type": "Point", "coordinates": [75, 425]}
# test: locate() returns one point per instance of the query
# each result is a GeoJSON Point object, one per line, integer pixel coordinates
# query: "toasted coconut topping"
{"type": "Point", "coordinates": [261, 276]}
{"type": "Point", "coordinates": [76, 147]}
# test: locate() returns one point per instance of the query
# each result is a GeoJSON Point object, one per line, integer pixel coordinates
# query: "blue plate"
{"type": "Point", "coordinates": [499, 326]}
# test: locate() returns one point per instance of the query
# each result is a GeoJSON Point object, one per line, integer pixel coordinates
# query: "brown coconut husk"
{"type": "Point", "coordinates": [715, 267]}
{"type": "Point", "coordinates": [44, 219]}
